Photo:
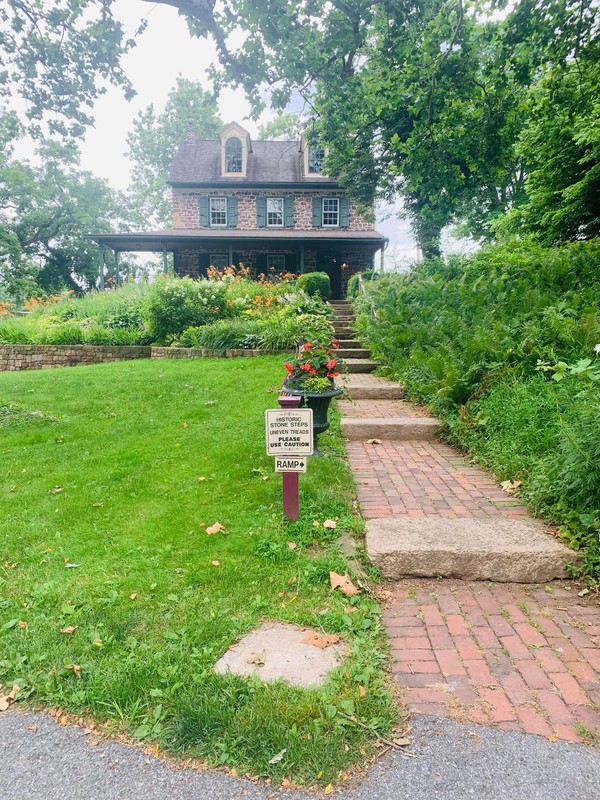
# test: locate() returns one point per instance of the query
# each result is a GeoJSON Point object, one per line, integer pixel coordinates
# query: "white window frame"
{"type": "Point", "coordinates": [281, 203]}
{"type": "Point", "coordinates": [277, 256]}
{"type": "Point", "coordinates": [222, 200]}
{"type": "Point", "coordinates": [213, 256]}
{"type": "Point", "coordinates": [311, 149]}
{"type": "Point", "coordinates": [329, 211]}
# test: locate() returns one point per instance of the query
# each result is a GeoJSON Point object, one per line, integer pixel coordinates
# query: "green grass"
{"type": "Point", "coordinates": [101, 468]}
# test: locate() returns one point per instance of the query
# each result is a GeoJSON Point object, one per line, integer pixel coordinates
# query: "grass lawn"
{"type": "Point", "coordinates": [118, 468]}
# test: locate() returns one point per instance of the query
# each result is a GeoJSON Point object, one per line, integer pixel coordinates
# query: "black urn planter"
{"type": "Point", "coordinates": [319, 402]}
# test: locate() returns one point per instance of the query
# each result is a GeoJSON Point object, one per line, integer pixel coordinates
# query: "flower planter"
{"type": "Point", "coordinates": [319, 402]}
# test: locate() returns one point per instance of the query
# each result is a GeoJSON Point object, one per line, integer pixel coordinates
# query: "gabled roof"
{"type": "Point", "coordinates": [199, 163]}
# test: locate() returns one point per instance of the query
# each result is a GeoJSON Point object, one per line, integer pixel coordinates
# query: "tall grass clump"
{"type": "Point", "coordinates": [502, 346]}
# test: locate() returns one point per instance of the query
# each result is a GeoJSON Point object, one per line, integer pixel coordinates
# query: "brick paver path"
{"type": "Point", "coordinates": [381, 408]}
{"type": "Point", "coordinates": [422, 479]}
{"type": "Point", "coordinates": [522, 657]}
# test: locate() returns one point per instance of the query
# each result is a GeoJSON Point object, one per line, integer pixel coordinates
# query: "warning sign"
{"type": "Point", "coordinates": [290, 465]}
{"type": "Point", "coordinates": [289, 432]}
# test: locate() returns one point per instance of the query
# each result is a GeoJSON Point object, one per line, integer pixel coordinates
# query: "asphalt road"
{"type": "Point", "coordinates": [41, 760]}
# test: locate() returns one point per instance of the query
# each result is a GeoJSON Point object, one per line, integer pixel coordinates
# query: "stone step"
{"type": "Point", "coordinates": [420, 429]}
{"type": "Point", "coordinates": [343, 333]}
{"type": "Point", "coordinates": [361, 365]}
{"type": "Point", "coordinates": [349, 343]}
{"type": "Point", "coordinates": [387, 390]}
{"type": "Point", "coordinates": [497, 549]}
{"type": "Point", "coordinates": [344, 318]}
{"type": "Point", "coordinates": [353, 352]}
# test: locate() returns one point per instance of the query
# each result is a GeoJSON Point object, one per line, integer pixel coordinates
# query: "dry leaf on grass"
{"type": "Point", "coordinates": [374, 441]}
{"type": "Point", "coordinates": [75, 668]}
{"type": "Point", "coordinates": [69, 629]}
{"type": "Point", "coordinates": [343, 583]}
{"type": "Point", "coordinates": [133, 595]}
{"type": "Point", "coordinates": [98, 505]}
{"type": "Point", "coordinates": [292, 545]}
{"type": "Point", "coordinates": [362, 691]}
{"type": "Point", "coordinates": [216, 563]}
{"type": "Point", "coordinates": [8, 699]}
{"type": "Point", "coordinates": [328, 788]}
{"type": "Point", "coordinates": [330, 523]}
{"type": "Point", "coordinates": [510, 486]}
{"type": "Point", "coordinates": [216, 528]}
{"type": "Point", "coordinates": [350, 610]}
{"type": "Point", "coordinates": [184, 424]}
{"type": "Point", "coordinates": [279, 757]}
{"type": "Point", "coordinates": [319, 640]}
{"type": "Point", "coordinates": [23, 625]}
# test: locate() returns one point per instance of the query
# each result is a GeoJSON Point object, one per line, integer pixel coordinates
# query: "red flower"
{"type": "Point", "coordinates": [305, 346]}
{"type": "Point", "coordinates": [331, 364]}
{"type": "Point", "coordinates": [306, 366]}
{"type": "Point", "coordinates": [332, 374]}
{"type": "Point", "coordinates": [313, 371]}
{"type": "Point", "coordinates": [335, 344]}
{"type": "Point", "coordinates": [289, 367]}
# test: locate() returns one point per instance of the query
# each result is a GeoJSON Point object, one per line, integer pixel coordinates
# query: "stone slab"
{"type": "Point", "coordinates": [361, 365]}
{"type": "Point", "coordinates": [370, 387]}
{"type": "Point", "coordinates": [497, 549]}
{"type": "Point", "coordinates": [285, 656]}
{"type": "Point", "coordinates": [353, 352]}
{"type": "Point", "coordinates": [423, 429]}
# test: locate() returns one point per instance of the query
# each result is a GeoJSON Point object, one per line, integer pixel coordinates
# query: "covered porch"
{"type": "Point", "coordinates": [339, 253]}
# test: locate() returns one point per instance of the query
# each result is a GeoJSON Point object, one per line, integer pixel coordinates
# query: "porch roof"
{"type": "Point", "coordinates": [153, 241]}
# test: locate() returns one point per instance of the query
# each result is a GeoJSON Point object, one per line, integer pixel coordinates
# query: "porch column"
{"type": "Point", "coordinates": [165, 264]}
{"type": "Point", "coordinates": [101, 266]}
{"type": "Point", "coordinates": [302, 259]}
{"type": "Point", "coordinates": [117, 276]}
{"type": "Point", "coordinates": [230, 255]}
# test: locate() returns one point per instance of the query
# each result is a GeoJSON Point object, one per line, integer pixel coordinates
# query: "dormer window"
{"type": "Point", "coordinates": [316, 157]}
{"type": "Point", "coordinates": [233, 155]}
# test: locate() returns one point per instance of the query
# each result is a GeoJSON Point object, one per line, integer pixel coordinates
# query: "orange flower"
{"type": "Point", "coordinates": [289, 367]}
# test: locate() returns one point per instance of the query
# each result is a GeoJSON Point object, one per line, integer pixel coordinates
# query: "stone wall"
{"type": "Point", "coordinates": [16, 357]}
{"type": "Point", "coordinates": [186, 209]}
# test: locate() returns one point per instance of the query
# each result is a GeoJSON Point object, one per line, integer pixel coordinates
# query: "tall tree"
{"type": "Point", "coordinates": [287, 125]}
{"type": "Point", "coordinates": [153, 143]}
{"type": "Point", "coordinates": [57, 56]}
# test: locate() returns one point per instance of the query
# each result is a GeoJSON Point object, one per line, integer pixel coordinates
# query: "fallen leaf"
{"type": "Point", "coordinates": [98, 505]}
{"type": "Point", "coordinates": [210, 403]}
{"type": "Point", "coordinates": [8, 699]}
{"type": "Point", "coordinates": [292, 545]}
{"type": "Point", "coordinates": [256, 658]}
{"type": "Point", "coordinates": [374, 441]}
{"type": "Point", "coordinates": [328, 789]}
{"type": "Point", "coordinates": [216, 563]}
{"type": "Point", "coordinates": [75, 668]}
{"type": "Point", "coordinates": [316, 523]}
{"type": "Point", "coordinates": [69, 629]}
{"type": "Point", "coordinates": [56, 490]}
{"type": "Point", "coordinates": [23, 625]}
{"type": "Point", "coordinates": [97, 642]}
{"type": "Point", "coordinates": [402, 742]}
{"type": "Point", "coordinates": [362, 691]}
{"type": "Point", "coordinates": [68, 565]}
{"type": "Point", "coordinates": [280, 594]}
{"type": "Point", "coordinates": [350, 610]}
{"type": "Point", "coordinates": [551, 738]}
{"type": "Point", "coordinates": [279, 757]}
{"type": "Point", "coordinates": [330, 523]}
{"type": "Point", "coordinates": [216, 528]}
{"type": "Point", "coordinates": [265, 477]}
{"type": "Point", "coordinates": [343, 583]}
{"type": "Point", "coordinates": [184, 424]}
{"type": "Point", "coordinates": [133, 595]}
{"type": "Point", "coordinates": [510, 486]}
{"type": "Point", "coordinates": [202, 478]}
{"type": "Point", "coordinates": [318, 640]}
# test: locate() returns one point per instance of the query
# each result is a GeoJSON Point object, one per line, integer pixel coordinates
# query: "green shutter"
{"type": "Point", "coordinates": [232, 212]}
{"type": "Point", "coordinates": [203, 264]}
{"type": "Point", "coordinates": [317, 215]}
{"type": "Point", "coordinates": [344, 212]}
{"type": "Point", "coordinates": [291, 262]}
{"type": "Point", "coordinates": [288, 212]}
{"type": "Point", "coordinates": [261, 263]}
{"type": "Point", "coordinates": [261, 212]}
{"type": "Point", "coordinates": [204, 218]}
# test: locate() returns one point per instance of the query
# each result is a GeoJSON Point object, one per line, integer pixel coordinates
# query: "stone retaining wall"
{"type": "Point", "coordinates": [17, 357]}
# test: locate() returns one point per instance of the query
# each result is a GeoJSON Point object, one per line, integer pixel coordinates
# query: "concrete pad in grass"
{"type": "Point", "coordinates": [276, 651]}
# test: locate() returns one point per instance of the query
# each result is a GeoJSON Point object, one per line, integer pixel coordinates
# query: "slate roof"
{"type": "Point", "coordinates": [199, 162]}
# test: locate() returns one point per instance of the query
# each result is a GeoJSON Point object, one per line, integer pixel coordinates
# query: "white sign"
{"type": "Point", "coordinates": [289, 431]}
{"type": "Point", "coordinates": [290, 465]}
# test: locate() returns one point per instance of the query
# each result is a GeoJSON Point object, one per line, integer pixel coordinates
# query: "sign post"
{"type": "Point", "coordinates": [290, 440]}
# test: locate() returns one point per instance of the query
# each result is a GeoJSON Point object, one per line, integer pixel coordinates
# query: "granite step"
{"type": "Point", "coordinates": [349, 343]}
{"type": "Point", "coordinates": [422, 429]}
{"type": "Point", "coordinates": [362, 386]}
{"type": "Point", "coordinates": [343, 333]}
{"type": "Point", "coordinates": [361, 365]}
{"type": "Point", "coordinates": [495, 549]}
{"type": "Point", "coordinates": [353, 352]}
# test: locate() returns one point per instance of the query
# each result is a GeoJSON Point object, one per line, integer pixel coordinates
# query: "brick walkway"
{"type": "Point", "coordinates": [525, 658]}
{"type": "Point", "coordinates": [422, 479]}
{"type": "Point", "coordinates": [381, 408]}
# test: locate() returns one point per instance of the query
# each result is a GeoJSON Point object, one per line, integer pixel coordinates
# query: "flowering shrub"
{"type": "Point", "coordinates": [6, 308]}
{"type": "Point", "coordinates": [314, 368]}
{"type": "Point", "coordinates": [179, 303]}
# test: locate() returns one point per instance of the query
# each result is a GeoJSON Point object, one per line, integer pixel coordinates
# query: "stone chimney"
{"type": "Point", "coordinates": [191, 136]}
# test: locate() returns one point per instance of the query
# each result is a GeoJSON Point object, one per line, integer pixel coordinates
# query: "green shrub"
{"type": "Point", "coordinates": [225, 334]}
{"type": "Point", "coordinates": [315, 283]}
{"type": "Point", "coordinates": [179, 303]}
{"type": "Point", "coordinates": [353, 282]}
{"type": "Point", "coordinates": [468, 336]}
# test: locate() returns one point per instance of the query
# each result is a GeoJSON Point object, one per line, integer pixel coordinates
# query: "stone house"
{"type": "Point", "coordinates": [264, 204]}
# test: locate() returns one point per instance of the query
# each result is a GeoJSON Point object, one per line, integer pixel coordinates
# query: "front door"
{"type": "Point", "coordinates": [331, 264]}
